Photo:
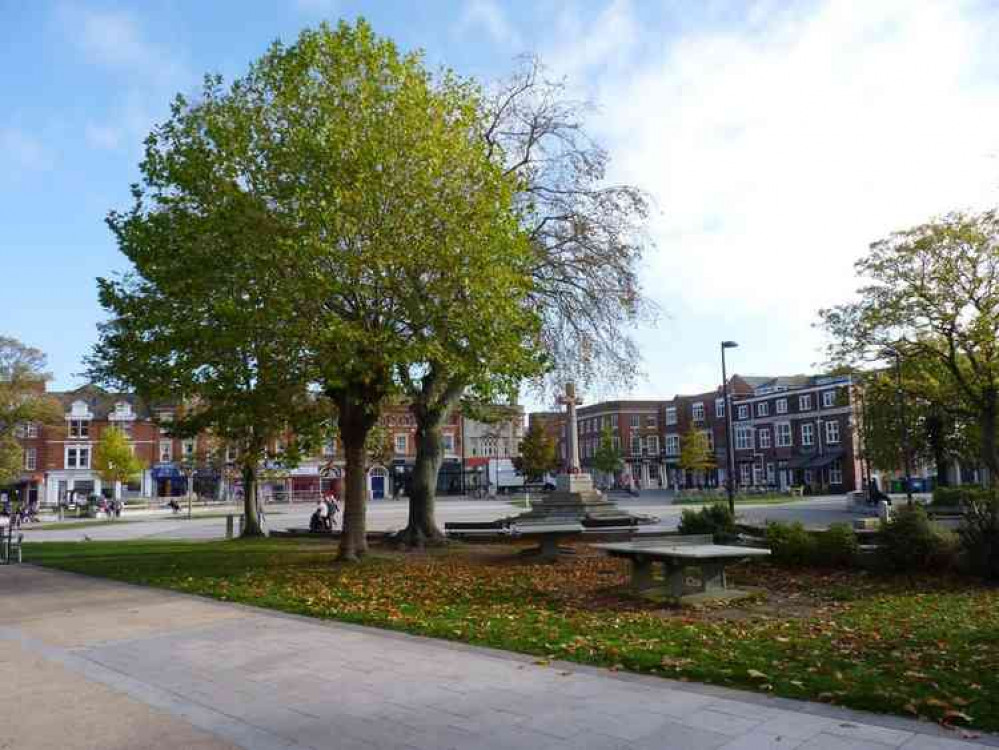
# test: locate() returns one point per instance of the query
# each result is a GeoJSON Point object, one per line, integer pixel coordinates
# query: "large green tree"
{"type": "Point", "coordinates": [22, 401]}
{"type": "Point", "coordinates": [353, 195]}
{"type": "Point", "coordinates": [933, 295]}
{"type": "Point", "coordinates": [114, 459]}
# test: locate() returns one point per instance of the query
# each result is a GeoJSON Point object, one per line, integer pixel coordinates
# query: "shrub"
{"type": "Point", "coordinates": [716, 520]}
{"type": "Point", "coordinates": [979, 537]}
{"type": "Point", "coordinates": [910, 542]}
{"type": "Point", "coordinates": [836, 547]}
{"type": "Point", "coordinates": [963, 496]}
{"type": "Point", "coordinates": [790, 544]}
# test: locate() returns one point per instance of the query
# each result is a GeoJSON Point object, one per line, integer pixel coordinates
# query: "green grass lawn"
{"type": "Point", "coordinates": [913, 646]}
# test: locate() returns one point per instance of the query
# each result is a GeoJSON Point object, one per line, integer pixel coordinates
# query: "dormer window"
{"type": "Point", "coordinates": [79, 428]}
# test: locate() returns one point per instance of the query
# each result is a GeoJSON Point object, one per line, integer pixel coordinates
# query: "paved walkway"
{"type": "Point", "coordinates": [97, 664]}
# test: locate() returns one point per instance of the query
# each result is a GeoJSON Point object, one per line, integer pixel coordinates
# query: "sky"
{"type": "Point", "coordinates": [776, 139]}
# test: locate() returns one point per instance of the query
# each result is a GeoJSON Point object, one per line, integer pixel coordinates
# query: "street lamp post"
{"type": "Point", "coordinates": [902, 427]}
{"type": "Point", "coordinates": [729, 448]}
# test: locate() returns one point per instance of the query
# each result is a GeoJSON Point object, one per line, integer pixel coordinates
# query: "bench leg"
{"type": "Point", "coordinates": [641, 574]}
{"type": "Point", "coordinates": [713, 575]}
{"type": "Point", "coordinates": [549, 547]}
{"type": "Point", "coordinates": [673, 574]}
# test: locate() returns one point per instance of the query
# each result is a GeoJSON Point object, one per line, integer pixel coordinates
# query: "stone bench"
{"type": "Point", "coordinates": [677, 553]}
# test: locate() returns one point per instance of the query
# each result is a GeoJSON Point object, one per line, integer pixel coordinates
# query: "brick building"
{"type": "Point", "coordinates": [636, 431]}
{"type": "Point", "coordinates": [787, 431]}
{"type": "Point", "coordinates": [59, 459]}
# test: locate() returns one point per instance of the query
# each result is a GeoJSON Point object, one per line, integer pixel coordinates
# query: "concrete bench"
{"type": "Point", "coordinates": [549, 534]}
{"type": "Point", "coordinates": [477, 530]}
{"type": "Point", "coordinates": [677, 553]}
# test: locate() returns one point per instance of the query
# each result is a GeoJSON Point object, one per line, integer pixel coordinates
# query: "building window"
{"type": "Point", "coordinates": [719, 408]}
{"type": "Point", "coordinates": [807, 476]}
{"type": "Point", "coordinates": [615, 442]}
{"type": "Point", "coordinates": [636, 421]}
{"type": "Point", "coordinates": [31, 430]}
{"type": "Point", "coordinates": [762, 409]}
{"type": "Point", "coordinates": [781, 406]}
{"type": "Point", "coordinates": [709, 437]}
{"type": "Point", "coordinates": [77, 457]}
{"type": "Point", "coordinates": [329, 448]}
{"type": "Point", "coordinates": [783, 436]}
{"type": "Point", "coordinates": [743, 438]}
{"type": "Point", "coordinates": [805, 402]}
{"type": "Point", "coordinates": [672, 445]}
{"type": "Point", "coordinates": [828, 399]}
{"type": "Point", "coordinates": [744, 474]}
{"type": "Point", "coordinates": [670, 415]}
{"type": "Point", "coordinates": [652, 445]}
{"type": "Point", "coordinates": [30, 459]}
{"type": "Point", "coordinates": [771, 475]}
{"type": "Point", "coordinates": [79, 428]}
{"type": "Point", "coordinates": [743, 412]}
{"type": "Point", "coordinates": [651, 421]}
{"type": "Point", "coordinates": [836, 472]}
{"type": "Point", "coordinates": [188, 449]}
{"type": "Point", "coordinates": [697, 411]}
{"type": "Point", "coordinates": [636, 445]}
{"type": "Point", "coordinates": [763, 437]}
{"type": "Point", "coordinates": [807, 434]}
{"type": "Point", "coordinates": [448, 443]}
{"type": "Point", "coordinates": [166, 451]}
{"type": "Point", "coordinates": [401, 441]}
{"type": "Point", "coordinates": [832, 432]}
{"type": "Point", "coordinates": [757, 474]}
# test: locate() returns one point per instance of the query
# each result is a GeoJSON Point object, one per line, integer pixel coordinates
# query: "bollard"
{"type": "Point", "coordinates": [228, 527]}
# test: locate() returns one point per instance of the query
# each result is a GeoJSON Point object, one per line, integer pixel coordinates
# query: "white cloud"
{"type": "Point", "coordinates": [488, 16]}
{"type": "Point", "coordinates": [115, 40]}
{"type": "Point", "coordinates": [777, 151]}
{"type": "Point", "coordinates": [21, 152]}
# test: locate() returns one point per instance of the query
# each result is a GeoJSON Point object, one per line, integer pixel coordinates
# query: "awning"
{"type": "Point", "coordinates": [814, 461]}
{"type": "Point", "coordinates": [166, 471]}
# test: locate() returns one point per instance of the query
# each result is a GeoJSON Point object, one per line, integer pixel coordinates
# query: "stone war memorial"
{"type": "Point", "coordinates": [575, 505]}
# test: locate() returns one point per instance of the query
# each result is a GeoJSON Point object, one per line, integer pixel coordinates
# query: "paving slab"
{"type": "Point", "coordinates": [140, 668]}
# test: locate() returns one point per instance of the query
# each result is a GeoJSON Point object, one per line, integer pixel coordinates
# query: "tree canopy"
{"type": "Point", "coordinates": [22, 401]}
{"type": "Point", "coordinates": [933, 296]}
{"type": "Point", "coordinates": [695, 452]}
{"type": "Point", "coordinates": [607, 457]}
{"type": "Point", "coordinates": [114, 459]}
{"type": "Point", "coordinates": [538, 454]}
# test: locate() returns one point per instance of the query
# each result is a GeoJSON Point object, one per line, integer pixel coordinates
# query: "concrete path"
{"type": "Point", "coordinates": [98, 664]}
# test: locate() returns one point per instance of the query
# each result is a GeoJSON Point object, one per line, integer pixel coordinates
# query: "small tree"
{"type": "Point", "coordinates": [22, 400]}
{"type": "Point", "coordinates": [608, 457]}
{"type": "Point", "coordinates": [537, 454]}
{"type": "Point", "coordinates": [696, 455]}
{"type": "Point", "coordinates": [114, 460]}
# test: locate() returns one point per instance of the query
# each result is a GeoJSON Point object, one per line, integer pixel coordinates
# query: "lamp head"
{"type": "Point", "coordinates": [729, 344]}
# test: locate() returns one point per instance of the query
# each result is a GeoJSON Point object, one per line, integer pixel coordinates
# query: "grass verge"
{"type": "Point", "coordinates": [924, 647]}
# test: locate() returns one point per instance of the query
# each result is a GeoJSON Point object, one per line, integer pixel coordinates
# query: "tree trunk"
{"type": "Point", "coordinates": [935, 429]}
{"type": "Point", "coordinates": [990, 458]}
{"type": "Point", "coordinates": [356, 418]}
{"type": "Point", "coordinates": [251, 522]}
{"type": "Point", "coordinates": [422, 527]}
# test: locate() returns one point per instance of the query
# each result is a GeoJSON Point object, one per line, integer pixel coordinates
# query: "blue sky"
{"type": "Point", "coordinates": [776, 138]}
